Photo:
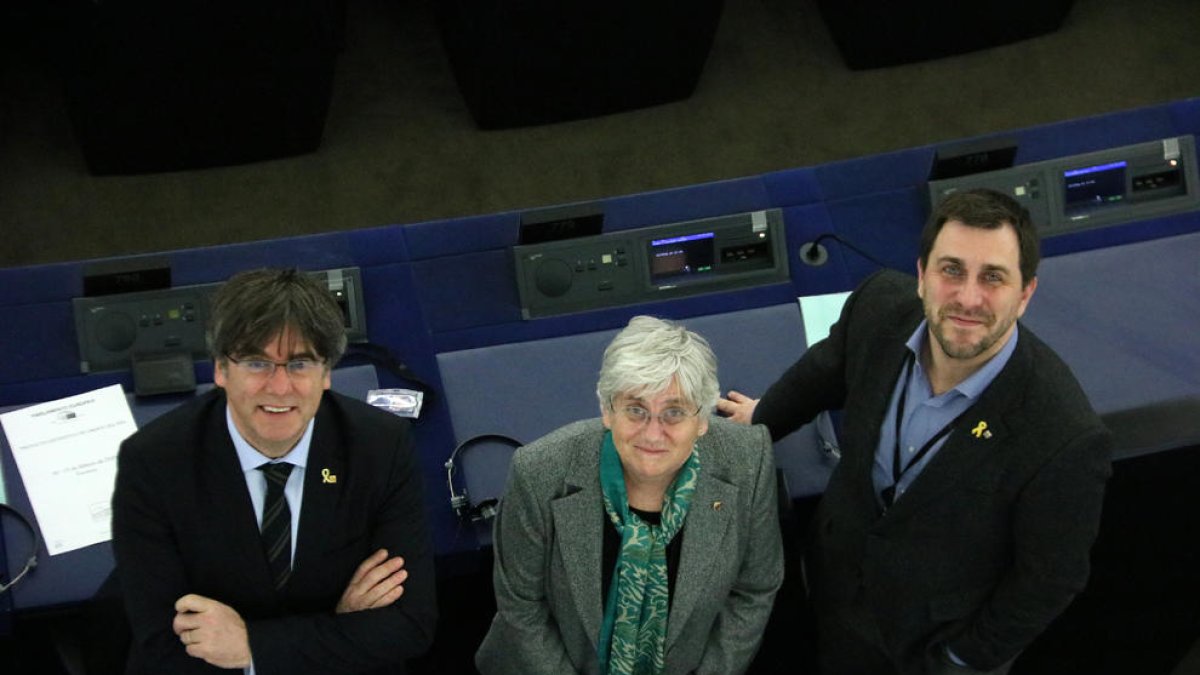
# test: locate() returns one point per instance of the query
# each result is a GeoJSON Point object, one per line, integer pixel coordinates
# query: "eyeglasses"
{"type": "Point", "coordinates": [296, 369]}
{"type": "Point", "coordinates": [670, 417]}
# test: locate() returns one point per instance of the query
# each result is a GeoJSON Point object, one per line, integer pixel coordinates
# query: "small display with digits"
{"type": "Point", "coordinates": [1093, 187]}
{"type": "Point", "coordinates": [684, 255]}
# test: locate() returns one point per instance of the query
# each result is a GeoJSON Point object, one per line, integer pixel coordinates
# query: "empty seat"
{"type": "Point", "coordinates": [524, 62]}
{"type": "Point", "coordinates": [161, 86]}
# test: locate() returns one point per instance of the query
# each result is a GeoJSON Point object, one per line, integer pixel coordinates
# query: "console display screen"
{"type": "Point", "coordinates": [1093, 186]}
{"type": "Point", "coordinates": [681, 256]}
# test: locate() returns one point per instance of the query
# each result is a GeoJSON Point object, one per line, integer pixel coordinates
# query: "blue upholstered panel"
{"type": "Point", "coordinates": [462, 235]}
{"type": "Point", "coordinates": [472, 289]}
{"type": "Point", "coordinates": [876, 173]}
{"type": "Point", "coordinates": [39, 342]}
{"type": "Point", "coordinates": [1126, 319]}
{"type": "Point", "coordinates": [23, 286]}
{"type": "Point", "coordinates": [209, 265]}
{"type": "Point", "coordinates": [1185, 116]}
{"type": "Point", "coordinates": [792, 187]}
{"type": "Point", "coordinates": [684, 203]}
{"type": "Point", "coordinates": [378, 245]}
{"type": "Point", "coordinates": [1088, 134]}
{"type": "Point", "coordinates": [885, 225]}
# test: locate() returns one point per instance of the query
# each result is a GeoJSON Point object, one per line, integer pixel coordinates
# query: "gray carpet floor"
{"type": "Point", "coordinates": [400, 147]}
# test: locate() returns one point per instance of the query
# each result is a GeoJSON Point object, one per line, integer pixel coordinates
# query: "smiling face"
{"type": "Point", "coordinates": [272, 412]}
{"type": "Point", "coordinates": [652, 452]}
{"type": "Point", "coordinates": [972, 292]}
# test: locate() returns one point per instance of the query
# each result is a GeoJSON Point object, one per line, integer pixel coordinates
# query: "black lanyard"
{"type": "Point", "coordinates": [889, 493]}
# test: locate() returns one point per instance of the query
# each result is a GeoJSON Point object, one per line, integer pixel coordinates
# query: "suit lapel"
{"type": "Point", "coordinates": [714, 506]}
{"type": "Point", "coordinates": [889, 365]}
{"type": "Point", "coordinates": [230, 503]}
{"type": "Point", "coordinates": [578, 530]}
{"type": "Point", "coordinates": [324, 478]}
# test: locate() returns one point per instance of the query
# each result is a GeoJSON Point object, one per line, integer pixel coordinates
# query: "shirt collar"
{"type": "Point", "coordinates": [251, 459]}
{"type": "Point", "coordinates": [978, 381]}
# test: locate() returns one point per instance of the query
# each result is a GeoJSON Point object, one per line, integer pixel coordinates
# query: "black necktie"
{"type": "Point", "coordinates": [277, 523]}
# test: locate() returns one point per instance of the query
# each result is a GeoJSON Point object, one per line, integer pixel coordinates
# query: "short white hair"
{"type": "Point", "coordinates": [649, 354]}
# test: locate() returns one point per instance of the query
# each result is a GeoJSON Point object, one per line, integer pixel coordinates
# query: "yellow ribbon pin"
{"type": "Point", "coordinates": [327, 477]}
{"type": "Point", "coordinates": [980, 429]}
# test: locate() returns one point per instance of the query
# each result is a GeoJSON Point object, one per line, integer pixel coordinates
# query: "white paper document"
{"type": "Point", "coordinates": [66, 453]}
{"type": "Point", "coordinates": [820, 312]}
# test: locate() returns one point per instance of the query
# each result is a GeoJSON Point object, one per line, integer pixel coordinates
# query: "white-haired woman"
{"type": "Point", "coordinates": [646, 541]}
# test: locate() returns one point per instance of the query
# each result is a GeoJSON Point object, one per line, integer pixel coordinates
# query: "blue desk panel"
{"type": "Point", "coordinates": [1125, 319]}
{"type": "Point", "coordinates": [433, 289]}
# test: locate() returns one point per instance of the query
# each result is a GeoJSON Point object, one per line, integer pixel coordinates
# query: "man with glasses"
{"type": "Point", "coordinates": [269, 525]}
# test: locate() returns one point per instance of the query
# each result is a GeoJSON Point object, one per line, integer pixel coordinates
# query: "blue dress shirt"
{"type": "Point", "coordinates": [926, 414]}
{"type": "Point", "coordinates": [256, 482]}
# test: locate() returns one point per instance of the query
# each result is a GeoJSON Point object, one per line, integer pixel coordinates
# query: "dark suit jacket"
{"type": "Point", "coordinates": [992, 540]}
{"type": "Point", "coordinates": [183, 523]}
{"type": "Point", "coordinates": [548, 575]}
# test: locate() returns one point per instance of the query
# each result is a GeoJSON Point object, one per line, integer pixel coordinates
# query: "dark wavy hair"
{"type": "Point", "coordinates": [254, 307]}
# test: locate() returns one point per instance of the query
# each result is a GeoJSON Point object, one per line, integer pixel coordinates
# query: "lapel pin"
{"type": "Point", "coordinates": [717, 505]}
{"type": "Point", "coordinates": [981, 430]}
{"type": "Point", "coordinates": [327, 477]}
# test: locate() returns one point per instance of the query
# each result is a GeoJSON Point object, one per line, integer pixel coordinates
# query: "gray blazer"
{"type": "Point", "coordinates": [548, 544]}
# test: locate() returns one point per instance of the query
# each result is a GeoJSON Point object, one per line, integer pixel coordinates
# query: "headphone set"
{"type": "Point", "coordinates": [459, 501]}
{"type": "Point", "coordinates": [37, 544]}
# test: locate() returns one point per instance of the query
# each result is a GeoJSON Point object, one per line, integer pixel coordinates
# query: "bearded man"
{"type": "Point", "coordinates": [958, 523]}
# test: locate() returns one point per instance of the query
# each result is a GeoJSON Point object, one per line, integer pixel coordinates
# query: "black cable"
{"type": "Point", "coordinates": [383, 357]}
{"type": "Point", "coordinates": [32, 561]}
{"type": "Point", "coordinates": [812, 249]}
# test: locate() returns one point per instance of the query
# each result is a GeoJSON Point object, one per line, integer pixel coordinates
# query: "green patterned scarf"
{"type": "Point", "coordinates": [634, 632]}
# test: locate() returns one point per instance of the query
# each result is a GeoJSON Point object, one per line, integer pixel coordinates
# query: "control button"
{"type": "Point", "coordinates": [622, 261]}
{"type": "Point", "coordinates": [144, 322]}
{"type": "Point", "coordinates": [553, 277]}
{"type": "Point", "coordinates": [189, 316]}
{"type": "Point", "coordinates": [578, 265]}
{"type": "Point", "coordinates": [592, 264]}
{"type": "Point", "coordinates": [604, 286]}
{"type": "Point", "coordinates": [172, 341]}
{"type": "Point", "coordinates": [158, 319]}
